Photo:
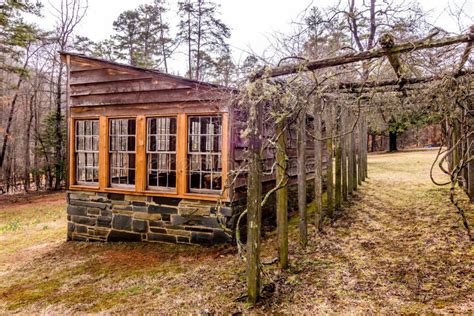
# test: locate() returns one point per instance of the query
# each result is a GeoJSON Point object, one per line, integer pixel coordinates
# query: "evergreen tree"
{"type": "Point", "coordinates": [204, 36]}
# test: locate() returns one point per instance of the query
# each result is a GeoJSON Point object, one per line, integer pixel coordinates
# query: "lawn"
{"type": "Point", "coordinates": [397, 247]}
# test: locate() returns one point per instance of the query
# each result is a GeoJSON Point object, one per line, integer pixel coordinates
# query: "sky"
{"type": "Point", "coordinates": [252, 21]}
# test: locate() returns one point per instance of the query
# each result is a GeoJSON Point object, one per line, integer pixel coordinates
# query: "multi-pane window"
{"type": "Point", "coordinates": [87, 151]}
{"type": "Point", "coordinates": [161, 153]}
{"type": "Point", "coordinates": [122, 152]}
{"type": "Point", "coordinates": [204, 153]}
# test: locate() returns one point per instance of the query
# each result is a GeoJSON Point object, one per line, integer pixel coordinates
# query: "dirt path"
{"type": "Point", "coordinates": [399, 247]}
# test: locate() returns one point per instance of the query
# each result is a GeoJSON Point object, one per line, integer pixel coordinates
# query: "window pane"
{"type": "Point", "coordinates": [122, 151]}
{"type": "Point", "coordinates": [204, 153]}
{"type": "Point", "coordinates": [87, 151]}
{"type": "Point", "coordinates": [161, 152]}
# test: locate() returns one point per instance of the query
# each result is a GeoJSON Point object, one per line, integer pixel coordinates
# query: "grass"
{"type": "Point", "coordinates": [397, 247]}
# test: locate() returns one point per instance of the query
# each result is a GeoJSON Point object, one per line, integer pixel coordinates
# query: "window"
{"type": "Point", "coordinates": [122, 152]}
{"type": "Point", "coordinates": [87, 151]}
{"type": "Point", "coordinates": [161, 153]}
{"type": "Point", "coordinates": [204, 153]}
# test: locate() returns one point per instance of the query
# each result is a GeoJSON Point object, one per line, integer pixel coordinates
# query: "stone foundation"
{"type": "Point", "coordinates": [118, 217]}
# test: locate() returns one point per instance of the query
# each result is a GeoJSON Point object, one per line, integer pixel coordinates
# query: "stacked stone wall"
{"type": "Point", "coordinates": [119, 217]}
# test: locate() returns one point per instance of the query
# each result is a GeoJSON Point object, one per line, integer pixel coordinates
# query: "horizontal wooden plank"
{"type": "Point", "coordinates": [88, 76]}
{"type": "Point", "coordinates": [133, 85]}
{"type": "Point", "coordinates": [163, 96]}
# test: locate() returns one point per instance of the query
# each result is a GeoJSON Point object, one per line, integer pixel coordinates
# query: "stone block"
{"type": "Point", "coordinates": [139, 226]}
{"type": "Point", "coordinates": [143, 209]}
{"type": "Point", "coordinates": [77, 210]}
{"type": "Point", "coordinates": [116, 196]}
{"type": "Point", "coordinates": [93, 211]}
{"type": "Point", "coordinates": [115, 235]}
{"type": "Point", "coordinates": [161, 200]}
{"type": "Point", "coordinates": [154, 209]}
{"type": "Point", "coordinates": [178, 220]}
{"type": "Point", "coordinates": [183, 239]}
{"type": "Point", "coordinates": [79, 196]}
{"type": "Point", "coordinates": [178, 232]}
{"type": "Point", "coordinates": [165, 217]}
{"type": "Point", "coordinates": [162, 238]}
{"type": "Point", "coordinates": [81, 229]}
{"type": "Point", "coordinates": [199, 229]}
{"type": "Point", "coordinates": [84, 220]}
{"type": "Point", "coordinates": [201, 238]}
{"type": "Point", "coordinates": [156, 223]}
{"type": "Point", "coordinates": [104, 221]}
{"type": "Point", "coordinates": [122, 222]}
{"type": "Point", "coordinates": [101, 232]}
{"type": "Point", "coordinates": [126, 207]}
{"type": "Point", "coordinates": [99, 198]}
{"type": "Point", "coordinates": [198, 210]}
{"type": "Point", "coordinates": [141, 215]}
{"type": "Point", "coordinates": [106, 213]}
{"type": "Point", "coordinates": [137, 198]}
{"type": "Point", "coordinates": [138, 203]}
{"type": "Point", "coordinates": [158, 230]}
{"type": "Point", "coordinates": [102, 206]}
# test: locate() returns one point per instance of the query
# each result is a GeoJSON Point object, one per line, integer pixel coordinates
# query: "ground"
{"type": "Point", "coordinates": [397, 247]}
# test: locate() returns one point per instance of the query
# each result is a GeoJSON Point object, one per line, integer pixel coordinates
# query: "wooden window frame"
{"type": "Point", "coordinates": [141, 157]}
{"type": "Point", "coordinates": [148, 153]}
{"type": "Point", "coordinates": [126, 152]}
{"type": "Point", "coordinates": [210, 154]}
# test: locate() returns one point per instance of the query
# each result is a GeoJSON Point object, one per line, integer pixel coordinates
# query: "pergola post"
{"type": "Point", "coordinates": [282, 196]}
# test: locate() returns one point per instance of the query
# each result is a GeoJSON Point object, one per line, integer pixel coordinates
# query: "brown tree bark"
{"type": "Point", "coordinates": [282, 196]}
{"type": "Point", "coordinates": [301, 174]}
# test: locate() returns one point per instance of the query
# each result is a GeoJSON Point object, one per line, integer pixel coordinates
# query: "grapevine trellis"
{"type": "Point", "coordinates": [335, 115]}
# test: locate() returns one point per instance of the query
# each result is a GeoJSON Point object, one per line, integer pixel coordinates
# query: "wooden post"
{"type": "Point", "coordinates": [329, 169]}
{"type": "Point", "coordinates": [366, 148]}
{"type": "Point", "coordinates": [355, 180]}
{"type": "Point", "coordinates": [350, 158]}
{"type": "Point", "coordinates": [301, 153]}
{"type": "Point", "coordinates": [360, 173]}
{"type": "Point", "coordinates": [282, 197]}
{"type": "Point", "coordinates": [254, 203]}
{"type": "Point", "coordinates": [318, 165]}
{"type": "Point", "coordinates": [338, 174]}
{"type": "Point", "coordinates": [344, 139]}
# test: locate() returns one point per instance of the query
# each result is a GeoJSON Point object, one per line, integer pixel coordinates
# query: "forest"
{"type": "Point", "coordinates": [342, 157]}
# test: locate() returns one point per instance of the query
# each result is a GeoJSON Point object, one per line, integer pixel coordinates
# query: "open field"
{"type": "Point", "coordinates": [398, 247]}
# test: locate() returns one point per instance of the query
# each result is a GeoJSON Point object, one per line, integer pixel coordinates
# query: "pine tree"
{"type": "Point", "coordinates": [203, 34]}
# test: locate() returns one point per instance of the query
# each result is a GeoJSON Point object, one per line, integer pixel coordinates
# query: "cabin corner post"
{"type": "Point", "coordinates": [103, 153]}
{"type": "Point", "coordinates": [140, 176]}
{"type": "Point", "coordinates": [69, 124]}
{"type": "Point", "coordinates": [225, 155]}
{"type": "Point", "coordinates": [71, 172]}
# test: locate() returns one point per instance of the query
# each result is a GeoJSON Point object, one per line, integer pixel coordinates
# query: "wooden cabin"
{"type": "Point", "coordinates": [150, 154]}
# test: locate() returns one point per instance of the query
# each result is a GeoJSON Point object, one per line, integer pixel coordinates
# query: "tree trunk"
{"type": "Point", "coordinates": [27, 145]}
{"type": "Point", "coordinates": [58, 133]}
{"type": "Point", "coordinates": [392, 137]}
{"type": "Point", "coordinates": [254, 207]}
{"type": "Point", "coordinates": [344, 156]}
{"type": "Point", "coordinates": [318, 165]}
{"type": "Point", "coordinates": [350, 161]}
{"type": "Point", "coordinates": [301, 152]}
{"type": "Point", "coordinates": [355, 180]}
{"type": "Point", "coordinates": [282, 197]}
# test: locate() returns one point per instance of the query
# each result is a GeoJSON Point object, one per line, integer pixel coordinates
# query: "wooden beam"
{"type": "Point", "coordinates": [329, 168]}
{"type": "Point", "coordinates": [181, 154]}
{"type": "Point", "coordinates": [301, 167]}
{"type": "Point", "coordinates": [318, 164]}
{"type": "Point", "coordinates": [282, 196]}
{"type": "Point", "coordinates": [338, 160]}
{"type": "Point", "coordinates": [141, 161]}
{"type": "Point", "coordinates": [225, 157]}
{"type": "Point", "coordinates": [103, 152]}
{"type": "Point", "coordinates": [359, 56]}
{"type": "Point", "coordinates": [72, 153]}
